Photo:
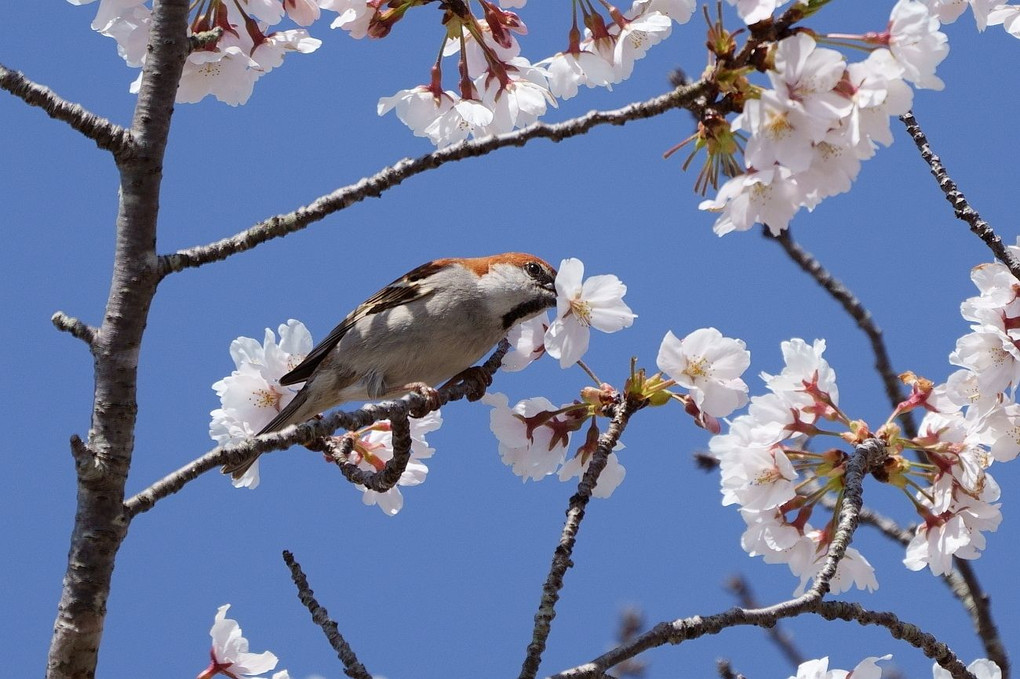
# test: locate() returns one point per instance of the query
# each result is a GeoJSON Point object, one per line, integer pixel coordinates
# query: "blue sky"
{"type": "Point", "coordinates": [449, 586]}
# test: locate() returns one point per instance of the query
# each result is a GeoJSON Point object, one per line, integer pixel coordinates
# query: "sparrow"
{"type": "Point", "coordinates": [426, 327]}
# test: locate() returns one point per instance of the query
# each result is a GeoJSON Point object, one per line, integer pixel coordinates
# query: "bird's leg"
{"type": "Point", "coordinates": [477, 378]}
{"type": "Point", "coordinates": [431, 395]}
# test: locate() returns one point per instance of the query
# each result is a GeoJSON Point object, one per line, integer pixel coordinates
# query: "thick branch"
{"type": "Point", "coordinates": [106, 134]}
{"type": "Point", "coordinates": [806, 261]}
{"type": "Point", "coordinates": [304, 434]}
{"type": "Point", "coordinates": [320, 616]}
{"type": "Point", "coordinates": [389, 177]}
{"type": "Point", "coordinates": [575, 514]}
{"type": "Point", "coordinates": [956, 198]}
{"type": "Point", "coordinates": [100, 523]}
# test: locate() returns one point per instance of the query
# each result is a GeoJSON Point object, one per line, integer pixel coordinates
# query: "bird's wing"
{"type": "Point", "coordinates": [401, 291]}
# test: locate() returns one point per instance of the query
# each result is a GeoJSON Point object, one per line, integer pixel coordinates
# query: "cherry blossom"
{"type": "Point", "coordinates": [527, 343]}
{"type": "Point", "coordinates": [917, 43]}
{"type": "Point", "coordinates": [753, 11]}
{"type": "Point", "coordinates": [596, 302]}
{"type": "Point", "coordinates": [768, 196]}
{"type": "Point", "coordinates": [709, 366]}
{"type": "Point", "coordinates": [819, 669]}
{"type": "Point", "coordinates": [1008, 16]}
{"type": "Point", "coordinates": [229, 652]}
{"type": "Point", "coordinates": [982, 668]}
{"type": "Point", "coordinates": [530, 443]}
{"type": "Point", "coordinates": [251, 395]}
{"type": "Point", "coordinates": [608, 481]}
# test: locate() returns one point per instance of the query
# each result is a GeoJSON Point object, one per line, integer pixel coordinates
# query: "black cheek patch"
{"type": "Point", "coordinates": [525, 309]}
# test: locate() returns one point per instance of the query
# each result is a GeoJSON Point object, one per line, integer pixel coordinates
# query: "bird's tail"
{"type": "Point", "coordinates": [295, 412]}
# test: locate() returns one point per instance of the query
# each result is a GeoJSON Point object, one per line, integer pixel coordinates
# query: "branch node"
{"type": "Point", "coordinates": [86, 463]}
{"type": "Point", "coordinates": [74, 327]}
{"type": "Point", "coordinates": [199, 40]}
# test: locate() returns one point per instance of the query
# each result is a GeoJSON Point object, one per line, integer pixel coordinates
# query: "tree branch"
{"type": "Point", "coordinates": [303, 434]}
{"type": "Point", "coordinates": [100, 523]}
{"type": "Point", "coordinates": [738, 585]}
{"type": "Point", "coordinates": [866, 455]}
{"type": "Point", "coordinates": [857, 311]}
{"type": "Point", "coordinates": [961, 207]}
{"type": "Point", "coordinates": [962, 582]}
{"type": "Point", "coordinates": [561, 560]}
{"type": "Point", "coordinates": [687, 629]}
{"type": "Point", "coordinates": [74, 327]}
{"type": "Point", "coordinates": [107, 135]}
{"type": "Point", "coordinates": [352, 667]}
{"type": "Point", "coordinates": [382, 480]}
{"type": "Point", "coordinates": [389, 177]}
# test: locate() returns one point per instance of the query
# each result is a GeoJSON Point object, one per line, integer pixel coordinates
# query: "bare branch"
{"type": "Point", "coordinates": [979, 606]}
{"type": "Point", "coordinates": [739, 586]}
{"type": "Point", "coordinates": [86, 333]}
{"type": "Point", "coordinates": [687, 629]}
{"type": "Point", "coordinates": [107, 135]}
{"type": "Point", "coordinates": [389, 177]}
{"type": "Point", "coordinates": [956, 198]}
{"type": "Point", "coordinates": [304, 434]}
{"type": "Point", "coordinates": [806, 261]}
{"type": "Point", "coordinates": [726, 671]}
{"type": "Point", "coordinates": [561, 560]}
{"type": "Point", "coordinates": [866, 455]}
{"type": "Point", "coordinates": [352, 667]}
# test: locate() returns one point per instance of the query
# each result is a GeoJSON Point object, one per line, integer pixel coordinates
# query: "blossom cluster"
{"type": "Point", "coordinates": [809, 131]}
{"type": "Point", "coordinates": [228, 66]}
{"type": "Point", "coordinates": [251, 396]}
{"type": "Point", "coordinates": [535, 435]}
{"type": "Point", "coordinates": [500, 90]}
{"type": "Point", "coordinates": [970, 422]}
{"type": "Point", "coordinates": [868, 668]}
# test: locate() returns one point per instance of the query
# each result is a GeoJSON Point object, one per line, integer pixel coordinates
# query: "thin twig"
{"type": "Point", "coordinates": [304, 434]}
{"type": "Point", "coordinates": [961, 207]}
{"type": "Point", "coordinates": [979, 604]}
{"type": "Point", "coordinates": [561, 560]}
{"type": "Point", "coordinates": [76, 328]}
{"type": "Point", "coordinates": [391, 176]}
{"type": "Point", "coordinates": [739, 586]}
{"type": "Point", "coordinates": [107, 135]}
{"type": "Point", "coordinates": [352, 666]}
{"type": "Point", "coordinates": [807, 262]}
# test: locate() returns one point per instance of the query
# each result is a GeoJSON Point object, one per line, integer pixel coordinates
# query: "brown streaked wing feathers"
{"type": "Point", "coordinates": [396, 293]}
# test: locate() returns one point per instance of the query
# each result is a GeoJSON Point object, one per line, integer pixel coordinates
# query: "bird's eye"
{"type": "Point", "coordinates": [533, 269]}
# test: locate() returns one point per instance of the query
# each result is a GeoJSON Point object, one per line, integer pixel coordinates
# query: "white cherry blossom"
{"type": "Point", "coordinates": [229, 652]}
{"type": "Point", "coordinates": [596, 302]}
{"type": "Point", "coordinates": [709, 366]}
